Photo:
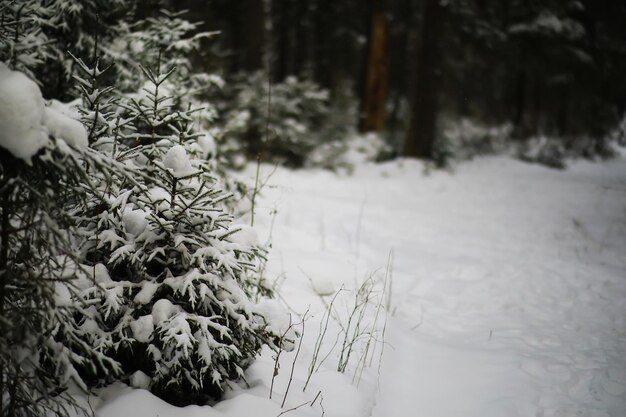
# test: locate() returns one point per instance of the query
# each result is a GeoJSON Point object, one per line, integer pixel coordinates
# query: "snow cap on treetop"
{"type": "Point", "coordinates": [177, 160]}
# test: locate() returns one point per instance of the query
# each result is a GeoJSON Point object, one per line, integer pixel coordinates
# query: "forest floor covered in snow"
{"type": "Point", "coordinates": [503, 285]}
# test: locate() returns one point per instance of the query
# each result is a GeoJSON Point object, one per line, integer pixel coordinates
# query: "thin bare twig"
{"type": "Point", "coordinates": [293, 409]}
{"type": "Point", "coordinates": [293, 365]}
{"type": "Point", "coordinates": [277, 358]}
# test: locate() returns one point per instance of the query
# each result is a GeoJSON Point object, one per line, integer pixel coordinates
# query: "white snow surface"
{"type": "Point", "coordinates": [508, 292]}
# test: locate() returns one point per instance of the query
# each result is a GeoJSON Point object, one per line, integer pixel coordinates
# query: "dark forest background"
{"type": "Point", "coordinates": [434, 79]}
{"type": "Point", "coordinates": [552, 67]}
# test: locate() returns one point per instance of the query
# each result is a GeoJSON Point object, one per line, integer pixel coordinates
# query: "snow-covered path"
{"type": "Point", "coordinates": [509, 280]}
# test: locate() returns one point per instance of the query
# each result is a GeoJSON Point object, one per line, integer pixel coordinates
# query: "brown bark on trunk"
{"type": "Point", "coordinates": [422, 124]}
{"type": "Point", "coordinates": [375, 94]}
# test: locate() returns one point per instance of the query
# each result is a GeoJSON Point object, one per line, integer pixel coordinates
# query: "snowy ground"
{"type": "Point", "coordinates": [508, 293]}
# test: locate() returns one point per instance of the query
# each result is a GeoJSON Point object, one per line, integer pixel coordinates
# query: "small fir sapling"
{"type": "Point", "coordinates": [164, 277]}
{"type": "Point", "coordinates": [175, 308]}
{"type": "Point", "coordinates": [145, 148]}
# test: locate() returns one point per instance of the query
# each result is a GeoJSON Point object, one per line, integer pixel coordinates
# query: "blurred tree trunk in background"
{"type": "Point", "coordinates": [520, 102]}
{"type": "Point", "coordinates": [423, 115]}
{"type": "Point", "coordinates": [376, 82]}
{"type": "Point", "coordinates": [252, 35]}
{"type": "Point", "coordinates": [403, 40]}
{"type": "Point", "coordinates": [285, 28]}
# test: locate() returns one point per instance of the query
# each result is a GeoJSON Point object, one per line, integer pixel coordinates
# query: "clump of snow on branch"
{"type": "Point", "coordinates": [26, 121]}
{"type": "Point", "coordinates": [21, 114]}
{"type": "Point", "coordinates": [177, 161]}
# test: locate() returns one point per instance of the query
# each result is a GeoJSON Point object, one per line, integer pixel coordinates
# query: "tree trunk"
{"type": "Point", "coordinates": [375, 94]}
{"type": "Point", "coordinates": [520, 104]}
{"type": "Point", "coordinates": [563, 113]}
{"type": "Point", "coordinates": [253, 35]}
{"type": "Point", "coordinates": [422, 124]}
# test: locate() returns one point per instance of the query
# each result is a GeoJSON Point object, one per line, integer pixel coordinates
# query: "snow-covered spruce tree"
{"type": "Point", "coordinates": [175, 307]}
{"type": "Point", "coordinates": [40, 177]}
